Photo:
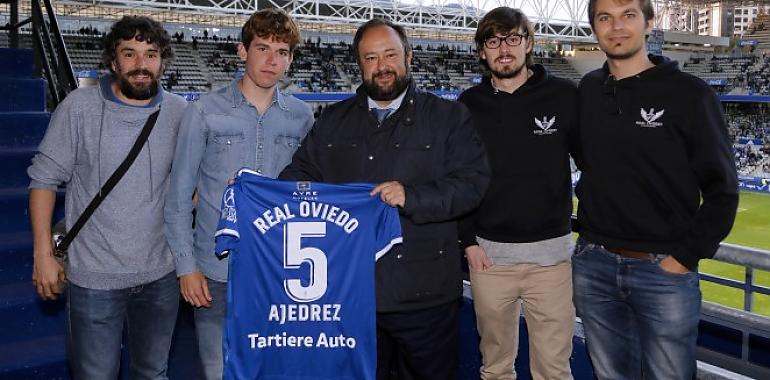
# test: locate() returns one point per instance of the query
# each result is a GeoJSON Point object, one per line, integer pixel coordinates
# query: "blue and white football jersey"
{"type": "Point", "coordinates": [300, 300]}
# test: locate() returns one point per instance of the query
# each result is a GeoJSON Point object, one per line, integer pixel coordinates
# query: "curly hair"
{"type": "Point", "coordinates": [140, 28]}
{"type": "Point", "coordinates": [271, 22]}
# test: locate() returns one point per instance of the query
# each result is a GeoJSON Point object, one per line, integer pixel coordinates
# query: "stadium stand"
{"type": "Point", "coordinates": [733, 74]}
{"type": "Point", "coordinates": [319, 67]}
{"type": "Point", "coordinates": [759, 31]}
{"type": "Point", "coordinates": [751, 135]}
{"type": "Point", "coordinates": [322, 67]}
{"type": "Point", "coordinates": [757, 80]}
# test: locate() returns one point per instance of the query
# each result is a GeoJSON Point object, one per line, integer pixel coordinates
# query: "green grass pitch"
{"type": "Point", "coordinates": [752, 228]}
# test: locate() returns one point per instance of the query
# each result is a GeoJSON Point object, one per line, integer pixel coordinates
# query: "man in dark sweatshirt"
{"type": "Point", "coordinates": [658, 193]}
{"type": "Point", "coordinates": [518, 242]}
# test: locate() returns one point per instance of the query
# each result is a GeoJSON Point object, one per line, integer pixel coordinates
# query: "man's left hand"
{"type": "Point", "coordinates": [391, 192]}
{"type": "Point", "coordinates": [671, 265]}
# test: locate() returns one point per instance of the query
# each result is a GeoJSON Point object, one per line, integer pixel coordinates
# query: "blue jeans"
{"type": "Point", "coordinates": [209, 325]}
{"type": "Point", "coordinates": [640, 321]}
{"type": "Point", "coordinates": [95, 329]}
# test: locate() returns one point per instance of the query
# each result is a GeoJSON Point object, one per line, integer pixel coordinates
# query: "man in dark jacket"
{"type": "Point", "coordinates": [518, 243]}
{"type": "Point", "coordinates": [658, 193]}
{"type": "Point", "coordinates": [428, 161]}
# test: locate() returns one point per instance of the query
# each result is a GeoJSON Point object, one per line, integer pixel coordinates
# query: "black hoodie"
{"type": "Point", "coordinates": [526, 135]}
{"type": "Point", "coordinates": [657, 170]}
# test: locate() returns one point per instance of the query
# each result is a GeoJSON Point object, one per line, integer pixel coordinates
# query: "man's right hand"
{"type": "Point", "coordinates": [477, 258]}
{"type": "Point", "coordinates": [47, 275]}
{"type": "Point", "coordinates": [195, 289]}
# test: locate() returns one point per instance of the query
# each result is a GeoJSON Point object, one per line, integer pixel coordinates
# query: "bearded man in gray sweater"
{"type": "Point", "coordinates": [120, 267]}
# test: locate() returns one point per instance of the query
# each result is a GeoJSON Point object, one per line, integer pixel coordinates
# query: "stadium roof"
{"type": "Point", "coordinates": [563, 20]}
{"type": "Point", "coordinates": [558, 19]}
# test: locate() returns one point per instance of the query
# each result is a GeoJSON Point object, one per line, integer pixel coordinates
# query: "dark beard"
{"type": "Point", "coordinates": [137, 92]}
{"type": "Point", "coordinates": [507, 74]}
{"type": "Point", "coordinates": [385, 94]}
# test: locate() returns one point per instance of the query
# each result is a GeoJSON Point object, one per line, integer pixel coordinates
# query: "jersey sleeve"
{"type": "Point", "coordinates": [227, 236]}
{"type": "Point", "coordinates": [388, 228]}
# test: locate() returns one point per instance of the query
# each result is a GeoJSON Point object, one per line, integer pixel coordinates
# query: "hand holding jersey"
{"type": "Point", "coordinates": [391, 192]}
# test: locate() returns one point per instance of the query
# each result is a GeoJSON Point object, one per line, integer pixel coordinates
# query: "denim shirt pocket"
{"type": "Point", "coordinates": [228, 148]}
{"type": "Point", "coordinates": [284, 147]}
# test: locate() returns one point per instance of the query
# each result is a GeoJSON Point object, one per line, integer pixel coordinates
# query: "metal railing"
{"type": "Point", "coordinates": [14, 25]}
{"type": "Point", "coordinates": [751, 259]}
{"type": "Point", "coordinates": [50, 51]}
{"type": "Point", "coordinates": [743, 325]}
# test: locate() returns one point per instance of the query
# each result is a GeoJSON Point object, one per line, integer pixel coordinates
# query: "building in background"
{"type": "Point", "coordinates": [726, 19]}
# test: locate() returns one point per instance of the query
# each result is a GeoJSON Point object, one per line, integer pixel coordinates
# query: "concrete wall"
{"type": "Point", "coordinates": [680, 56]}
{"type": "Point", "coordinates": [672, 37]}
{"type": "Point", "coordinates": [585, 61]}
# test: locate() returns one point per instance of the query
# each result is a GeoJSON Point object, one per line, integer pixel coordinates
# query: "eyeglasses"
{"type": "Point", "coordinates": [510, 40]}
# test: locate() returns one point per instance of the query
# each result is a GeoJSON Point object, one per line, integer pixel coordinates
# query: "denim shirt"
{"type": "Point", "coordinates": [220, 134]}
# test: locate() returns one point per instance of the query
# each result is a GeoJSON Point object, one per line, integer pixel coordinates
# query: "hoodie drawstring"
{"type": "Point", "coordinates": [149, 155]}
{"type": "Point", "coordinates": [99, 151]}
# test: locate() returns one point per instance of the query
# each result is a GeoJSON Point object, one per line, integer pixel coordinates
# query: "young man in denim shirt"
{"type": "Point", "coordinates": [247, 124]}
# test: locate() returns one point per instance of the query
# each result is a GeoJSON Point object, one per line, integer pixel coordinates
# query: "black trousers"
{"type": "Point", "coordinates": [419, 344]}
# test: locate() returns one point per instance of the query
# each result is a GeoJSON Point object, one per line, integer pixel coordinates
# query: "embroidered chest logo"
{"type": "Point", "coordinates": [650, 118]}
{"type": "Point", "coordinates": [304, 192]}
{"type": "Point", "coordinates": [545, 126]}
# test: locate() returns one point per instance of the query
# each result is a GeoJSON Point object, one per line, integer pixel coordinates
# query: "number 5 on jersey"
{"type": "Point", "coordinates": [294, 255]}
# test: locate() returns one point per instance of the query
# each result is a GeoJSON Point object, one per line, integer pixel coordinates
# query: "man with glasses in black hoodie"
{"type": "Point", "coordinates": [658, 193]}
{"type": "Point", "coordinates": [518, 242]}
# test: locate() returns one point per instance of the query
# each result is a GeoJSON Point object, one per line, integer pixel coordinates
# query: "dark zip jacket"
{"type": "Point", "coordinates": [430, 146]}
{"type": "Point", "coordinates": [527, 135]}
{"type": "Point", "coordinates": [657, 170]}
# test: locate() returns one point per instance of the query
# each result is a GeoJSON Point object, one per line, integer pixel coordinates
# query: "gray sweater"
{"type": "Point", "coordinates": [122, 244]}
